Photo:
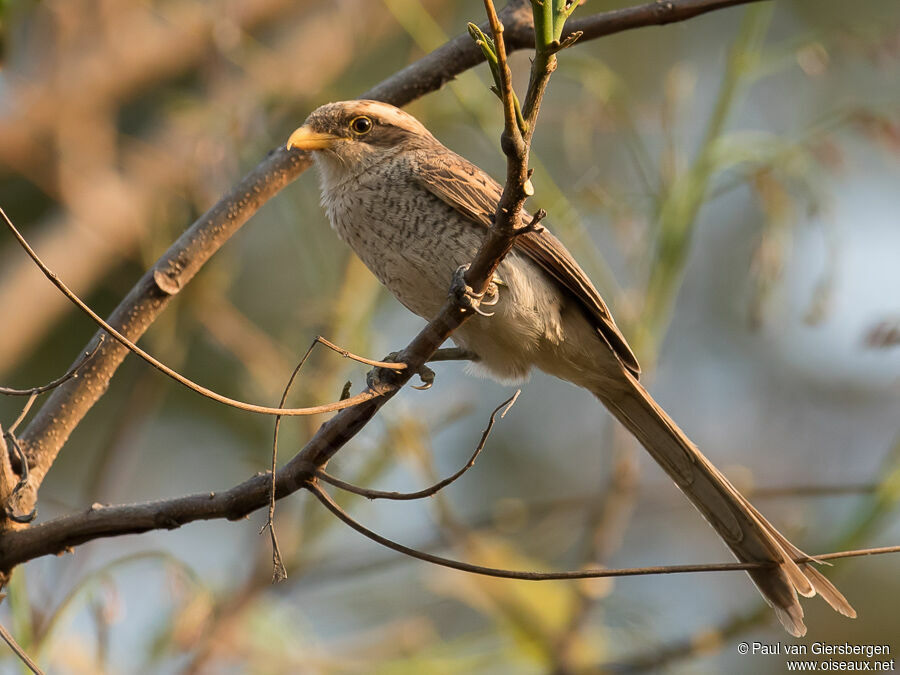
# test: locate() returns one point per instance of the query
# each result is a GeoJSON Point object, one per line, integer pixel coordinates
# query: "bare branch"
{"type": "Point", "coordinates": [504, 76]}
{"type": "Point", "coordinates": [508, 215]}
{"type": "Point", "coordinates": [279, 571]}
{"type": "Point", "coordinates": [22, 414]}
{"type": "Point", "coordinates": [17, 649]}
{"type": "Point", "coordinates": [390, 365]}
{"type": "Point", "coordinates": [437, 487]}
{"type": "Point", "coordinates": [60, 534]}
{"type": "Point", "coordinates": [9, 493]}
{"type": "Point", "coordinates": [72, 372]}
{"type": "Point", "coordinates": [166, 370]}
{"type": "Point", "coordinates": [648, 14]}
{"type": "Point", "coordinates": [332, 506]}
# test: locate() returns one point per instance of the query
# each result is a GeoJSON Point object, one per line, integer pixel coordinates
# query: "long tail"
{"type": "Point", "coordinates": [746, 532]}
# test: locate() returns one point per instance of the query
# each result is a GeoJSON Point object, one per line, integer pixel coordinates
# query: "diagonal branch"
{"type": "Point", "coordinates": [21, 653]}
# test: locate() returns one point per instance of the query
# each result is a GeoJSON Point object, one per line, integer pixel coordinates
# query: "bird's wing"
{"type": "Point", "coordinates": [475, 195]}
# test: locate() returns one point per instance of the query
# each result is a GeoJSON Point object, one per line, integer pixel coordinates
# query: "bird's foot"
{"type": "Point", "coordinates": [466, 296]}
{"type": "Point", "coordinates": [380, 376]}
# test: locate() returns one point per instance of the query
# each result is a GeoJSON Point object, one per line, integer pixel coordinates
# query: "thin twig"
{"type": "Point", "coordinates": [437, 487]}
{"type": "Point", "coordinates": [483, 520]}
{"type": "Point", "coordinates": [25, 408]}
{"type": "Point", "coordinates": [166, 370]}
{"type": "Point", "coordinates": [332, 506]}
{"type": "Point", "coordinates": [72, 372]}
{"type": "Point", "coordinates": [279, 572]}
{"type": "Point", "coordinates": [11, 641]}
{"type": "Point", "coordinates": [390, 365]}
{"type": "Point", "coordinates": [507, 95]}
{"type": "Point", "coordinates": [515, 143]}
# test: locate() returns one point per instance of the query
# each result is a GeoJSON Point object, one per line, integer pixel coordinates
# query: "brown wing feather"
{"type": "Point", "coordinates": [474, 194]}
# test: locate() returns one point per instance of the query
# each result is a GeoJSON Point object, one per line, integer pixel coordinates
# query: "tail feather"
{"type": "Point", "coordinates": [829, 593]}
{"type": "Point", "coordinates": [747, 533]}
{"type": "Point", "coordinates": [791, 618]}
{"type": "Point", "coordinates": [820, 585]}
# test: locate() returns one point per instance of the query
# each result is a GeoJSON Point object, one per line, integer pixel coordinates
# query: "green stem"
{"type": "Point", "coordinates": [543, 23]}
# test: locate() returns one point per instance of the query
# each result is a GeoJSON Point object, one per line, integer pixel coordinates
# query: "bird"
{"type": "Point", "coordinates": [415, 213]}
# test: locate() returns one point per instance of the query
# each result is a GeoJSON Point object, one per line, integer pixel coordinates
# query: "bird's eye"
{"type": "Point", "coordinates": [361, 125]}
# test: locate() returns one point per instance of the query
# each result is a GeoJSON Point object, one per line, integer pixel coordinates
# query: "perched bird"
{"type": "Point", "coordinates": [414, 212]}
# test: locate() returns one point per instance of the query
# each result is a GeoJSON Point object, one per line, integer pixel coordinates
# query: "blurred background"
{"type": "Point", "coordinates": [729, 183]}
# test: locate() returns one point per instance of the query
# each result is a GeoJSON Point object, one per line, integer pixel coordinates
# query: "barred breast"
{"type": "Point", "coordinates": [413, 243]}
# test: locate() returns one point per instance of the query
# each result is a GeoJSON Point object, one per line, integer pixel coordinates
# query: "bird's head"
{"type": "Point", "coordinates": [351, 135]}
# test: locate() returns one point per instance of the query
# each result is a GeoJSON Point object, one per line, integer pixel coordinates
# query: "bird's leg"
{"type": "Point", "coordinates": [453, 354]}
{"type": "Point", "coordinates": [466, 296]}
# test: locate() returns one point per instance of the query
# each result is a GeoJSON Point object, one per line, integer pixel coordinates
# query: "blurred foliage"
{"type": "Point", "coordinates": [713, 177]}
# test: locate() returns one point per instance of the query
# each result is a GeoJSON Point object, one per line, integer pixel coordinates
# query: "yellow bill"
{"type": "Point", "coordinates": [305, 138]}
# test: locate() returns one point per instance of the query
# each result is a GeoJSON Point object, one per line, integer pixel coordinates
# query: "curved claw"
{"type": "Point", "coordinates": [495, 298]}
{"type": "Point", "coordinates": [425, 374]}
{"type": "Point", "coordinates": [21, 518]}
{"type": "Point", "coordinates": [467, 297]}
{"type": "Point", "coordinates": [493, 292]}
